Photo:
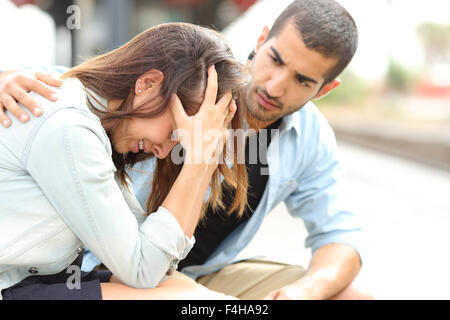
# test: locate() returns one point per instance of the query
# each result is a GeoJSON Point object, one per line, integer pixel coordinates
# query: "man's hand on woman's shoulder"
{"type": "Point", "coordinates": [15, 86]}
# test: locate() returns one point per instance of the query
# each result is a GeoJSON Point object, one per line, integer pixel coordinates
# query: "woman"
{"type": "Point", "coordinates": [63, 182]}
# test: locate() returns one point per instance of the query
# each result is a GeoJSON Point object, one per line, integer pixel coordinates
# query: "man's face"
{"type": "Point", "coordinates": [285, 75]}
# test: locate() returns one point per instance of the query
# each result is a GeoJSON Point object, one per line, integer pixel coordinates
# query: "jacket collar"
{"type": "Point", "coordinates": [97, 101]}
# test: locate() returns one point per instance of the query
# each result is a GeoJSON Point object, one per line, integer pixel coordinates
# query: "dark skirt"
{"type": "Point", "coordinates": [69, 284]}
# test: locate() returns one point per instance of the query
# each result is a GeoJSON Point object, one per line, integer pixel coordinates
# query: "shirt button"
{"type": "Point", "coordinates": [33, 270]}
{"type": "Point", "coordinates": [79, 250]}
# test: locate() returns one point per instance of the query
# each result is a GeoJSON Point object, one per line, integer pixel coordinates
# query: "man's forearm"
{"type": "Point", "coordinates": [333, 267]}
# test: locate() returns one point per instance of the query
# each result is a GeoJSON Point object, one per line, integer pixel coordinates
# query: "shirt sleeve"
{"type": "Point", "coordinates": [318, 203]}
{"type": "Point", "coordinates": [70, 160]}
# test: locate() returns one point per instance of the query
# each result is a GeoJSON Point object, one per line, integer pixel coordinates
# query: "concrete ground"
{"type": "Point", "coordinates": [405, 211]}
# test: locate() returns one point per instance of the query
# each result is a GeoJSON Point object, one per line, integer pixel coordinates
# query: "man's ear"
{"type": "Point", "coordinates": [149, 81]}
{"type": "Point", "coordinates": [330, 86]}
{"type": "Point", "coordinates": [262, 37]}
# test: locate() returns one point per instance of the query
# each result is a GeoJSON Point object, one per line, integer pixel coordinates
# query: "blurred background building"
{"type": "Point", "coordinates": [391, 114]}
{"type": "Point", "coordinates": [107, 24]}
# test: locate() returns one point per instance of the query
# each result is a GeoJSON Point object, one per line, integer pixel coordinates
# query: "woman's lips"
{"type": "Point", "coordinates": [135, 147]}
{"type": "Point", "coordinates": [145, 149]}
{"type": "Point", "coordinates": [265, 103]}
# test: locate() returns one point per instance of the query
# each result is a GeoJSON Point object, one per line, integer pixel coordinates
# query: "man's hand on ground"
{"type": "Point", "coordinates": [295, 291]}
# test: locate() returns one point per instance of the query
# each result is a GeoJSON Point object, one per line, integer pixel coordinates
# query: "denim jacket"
{"type": "Point", "coordinates": [59, 192]}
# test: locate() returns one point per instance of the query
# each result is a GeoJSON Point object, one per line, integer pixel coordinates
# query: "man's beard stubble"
{"type": "Point", "coordinates": [259, 113]}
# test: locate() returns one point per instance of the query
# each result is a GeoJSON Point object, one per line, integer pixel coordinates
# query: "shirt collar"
{"type": "Point", "coordinates": [294, 120]}
{"type": "Point", "coordinates": [291, 121]}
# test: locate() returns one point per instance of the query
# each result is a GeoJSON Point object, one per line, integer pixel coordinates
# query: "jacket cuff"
{"type": "Point", "coordinates": [164, 231]}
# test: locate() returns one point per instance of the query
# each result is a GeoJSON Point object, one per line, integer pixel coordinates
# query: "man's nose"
{"type": "Point", "coordinates": [276, 85]}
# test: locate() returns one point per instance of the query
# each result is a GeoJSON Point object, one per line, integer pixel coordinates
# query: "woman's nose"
{"type": "Point", "coordinates": [161, 151]}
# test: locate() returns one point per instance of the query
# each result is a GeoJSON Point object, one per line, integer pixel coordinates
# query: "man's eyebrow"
{"type": "Point", "coordinates": [300, 76]}
{"type": "Point", "coordinates": [277, 55]}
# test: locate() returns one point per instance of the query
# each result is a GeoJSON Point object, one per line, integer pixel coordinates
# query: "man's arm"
{"type": "Point", "coordinates": [14, 88]}
{"type": "Point", "coordinates": [333, 267]}
{"type": "Point", "coordinates": [334, 234]}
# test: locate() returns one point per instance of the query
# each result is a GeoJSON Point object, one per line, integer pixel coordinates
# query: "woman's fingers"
{"type": "Point", "coordinates": [211, 88]}
{"type": "Point", "coordinates": [208, 128]}
{"type": "Point", "coordinates": [232, 111]}
{"type": "Point", "coordinates": [180, 117]}
{"type": "Point", "coordinates": [177, 109]}
{"type": "Point", "coordinates": [224, 102]}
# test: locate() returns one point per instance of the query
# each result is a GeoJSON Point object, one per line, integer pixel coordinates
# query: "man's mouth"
{"type": "Point", "coordinates": [265, 103]}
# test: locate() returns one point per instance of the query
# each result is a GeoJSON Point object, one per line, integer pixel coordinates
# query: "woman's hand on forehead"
{"type": "Point", "coordinates": [209, 124]}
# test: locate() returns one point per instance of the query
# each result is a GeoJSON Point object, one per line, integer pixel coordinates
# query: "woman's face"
{"type": "Point", "coordinates": [153, 135]}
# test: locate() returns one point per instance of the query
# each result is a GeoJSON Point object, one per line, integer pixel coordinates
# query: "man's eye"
{"type": "Point", "coordinates": [274, 59]}
{"type": "Point", "coordinates": [303, 83]}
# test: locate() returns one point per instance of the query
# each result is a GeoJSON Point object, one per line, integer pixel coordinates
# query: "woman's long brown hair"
{"type": "Point", "coordinates": [183, 52]}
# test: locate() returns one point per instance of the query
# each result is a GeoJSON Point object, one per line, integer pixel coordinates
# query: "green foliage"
{"type": "Point", "coordinates": [398, 77]}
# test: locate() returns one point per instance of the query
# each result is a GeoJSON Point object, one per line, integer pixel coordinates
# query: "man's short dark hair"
{"type": "Point", "coordinates": [326, 27]}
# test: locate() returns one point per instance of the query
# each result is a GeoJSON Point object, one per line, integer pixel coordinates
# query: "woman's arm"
{"type": "Point", "coordinates": [70, 159]}
{"type": "Point", "coordinates": [202, 137]}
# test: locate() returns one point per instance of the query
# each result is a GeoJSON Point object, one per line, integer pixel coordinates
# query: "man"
{"type": "Point", "coordinates": [309, 45]}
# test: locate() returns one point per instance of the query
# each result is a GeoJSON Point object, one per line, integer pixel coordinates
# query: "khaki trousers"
{"type": "Point", "coordinates": [252, 279]}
